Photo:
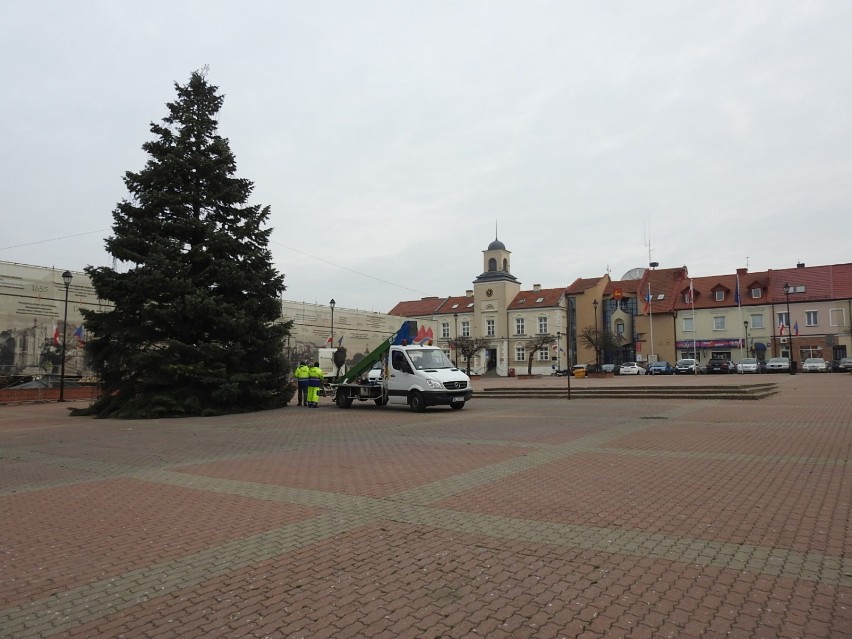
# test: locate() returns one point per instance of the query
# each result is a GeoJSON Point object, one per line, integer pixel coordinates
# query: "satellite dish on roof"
{"type": "Point", "coordinates": [634, 273]}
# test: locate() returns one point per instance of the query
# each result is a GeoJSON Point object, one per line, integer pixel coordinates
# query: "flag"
{"type": "Point", "coordinates": [328, 342]}
{"type": "Point", "coordinates": [79, 335]}
{"type": "Point", "coordinates": [796, 329]}
{"type": "Point", "coordinates": [737, 291]}
{"type": "Point", "coordinates": [781, 328]}
{"type": "Point", "coordinates": [648, 300]}
{"type": "Point", "coordinates": [55, 334]}
{"type": "Point", "coordinates": [340, 342]}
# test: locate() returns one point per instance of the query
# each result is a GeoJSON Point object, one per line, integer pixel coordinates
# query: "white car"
{"type": "Point", "coordinates": [375, 374]}
{"type": "Point", "coordinates": [748, 365]}
{"type": "Point", "coordinates": [814, 365]}
{"type": "Point", "coordinates": [631, 368]}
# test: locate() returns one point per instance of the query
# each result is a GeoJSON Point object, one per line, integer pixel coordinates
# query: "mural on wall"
{"type": "Point", "coordinates": [32, 330]}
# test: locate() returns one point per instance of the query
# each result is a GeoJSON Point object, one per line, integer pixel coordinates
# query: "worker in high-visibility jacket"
{"type": "Point", "coordinates": [315, 377]}
{"type": "Point", "coordinates": [301, 374]}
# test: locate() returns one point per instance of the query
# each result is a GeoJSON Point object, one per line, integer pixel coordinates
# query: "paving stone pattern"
{"type": "Point", "coordinates": [511, 518]}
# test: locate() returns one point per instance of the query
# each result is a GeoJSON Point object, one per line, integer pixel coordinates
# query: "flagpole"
{"type": "Point", "coordinates": [740, 304]}
{"type": "Point", "coordinates": [651, 321]}
{"type": "Point", "coordinates": [694, 326]}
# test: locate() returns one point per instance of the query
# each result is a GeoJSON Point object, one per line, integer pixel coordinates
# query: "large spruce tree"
{"type": "Point", "coordinates": [194, 325]}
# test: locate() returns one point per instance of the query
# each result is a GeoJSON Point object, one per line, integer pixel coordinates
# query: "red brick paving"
{"type": "Point", "coordinates": [221, 539]}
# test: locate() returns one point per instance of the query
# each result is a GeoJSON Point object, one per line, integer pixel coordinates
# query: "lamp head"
{"type": "Point", "coordinates": [786, 288]}
{"type": "Point", "coordinates": [332, 303]}
{"type": "Point", "coordinates": [66, 277]}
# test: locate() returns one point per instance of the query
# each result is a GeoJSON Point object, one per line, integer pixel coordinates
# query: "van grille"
{"type": "Point", "coordinates": [455, 385]}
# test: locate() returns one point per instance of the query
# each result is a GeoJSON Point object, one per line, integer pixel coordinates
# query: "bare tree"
{"type": "Point", "coordinates": [599, 341]}
{"type": "Point", "coordinates": [467, 347]}
{"type": "Point", "coordinates": [535, 345]}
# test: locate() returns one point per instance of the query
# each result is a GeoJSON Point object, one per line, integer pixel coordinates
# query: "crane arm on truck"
{"type": "Point", "coordinates": [406, 334]}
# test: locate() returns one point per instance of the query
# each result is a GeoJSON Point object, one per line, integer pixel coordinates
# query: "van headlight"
{"type": "Point", "coordinates": [434, 383]}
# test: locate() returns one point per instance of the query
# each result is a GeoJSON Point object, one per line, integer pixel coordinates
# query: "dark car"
{"type": "Point", "coordinates": [661, 368]}
{"type": "Point", "coordinates": [721, 366]}
{"type": "Point", "coordinates": [844, 365]}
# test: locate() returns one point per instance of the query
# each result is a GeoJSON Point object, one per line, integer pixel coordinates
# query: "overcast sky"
{"type": "Point", "coordinates": [390, 138]}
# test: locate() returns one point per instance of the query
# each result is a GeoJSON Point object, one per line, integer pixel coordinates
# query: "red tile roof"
{"type": "Point", "coordinates": [546, 297]}
{"type": "Point", "coordinates": [582, 284]}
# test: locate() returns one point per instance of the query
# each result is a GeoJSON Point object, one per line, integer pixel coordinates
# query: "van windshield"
{"type": "Point", "coordinates": [429, 358]}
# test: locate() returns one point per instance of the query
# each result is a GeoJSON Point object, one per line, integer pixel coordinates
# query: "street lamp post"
{"type": "Point", "coordinates": [597, 338]}
{"type": "Point", "coordinates": [332, 304]}
{"type": "Point", "coordinates": [787, 291]}
{"type": "Point", "coordinates": [66, 279]}
{"type": "Point", "coordinates": [558, 358]}
{"type": "Point", "coordinates": [456, 338]}
{"type": "Point", "coordinates": [567, 345]}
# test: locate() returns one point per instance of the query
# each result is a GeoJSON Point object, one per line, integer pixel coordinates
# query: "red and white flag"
{"type": "Point", "coordinates": [55, 334]}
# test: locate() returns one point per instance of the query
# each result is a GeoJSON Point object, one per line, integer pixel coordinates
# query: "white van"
{"type": "Point", "coordinates": [417, 376]}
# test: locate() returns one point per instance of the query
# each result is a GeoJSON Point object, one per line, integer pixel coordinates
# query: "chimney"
{"type": "Point", "coordinates": [800, 265]}
{"type": "Point", "coordinates": [468, 292]}
{"type": "Point", "coordinates": [536, 288]}
{"type": "Point", "coordinates": [742, 271]}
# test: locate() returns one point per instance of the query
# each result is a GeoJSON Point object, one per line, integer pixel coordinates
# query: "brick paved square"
{"type": "Point", "coordinates": [62, 537]}
{"type": "Point", "coordinates": [739, 501]}
{"type": "Point", "coordinates": [373, 469]}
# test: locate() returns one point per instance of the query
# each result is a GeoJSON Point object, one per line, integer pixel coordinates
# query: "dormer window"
{"type": "Point", "coordinates": [539, 300]}
{"type": "Point", "coordinates": [720, 296]}
{"type": "Point", "coordinates": [756, 292]}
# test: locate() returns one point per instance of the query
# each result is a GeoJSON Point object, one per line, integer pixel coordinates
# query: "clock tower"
{"type": "Point", "coordinates": [493, 291]}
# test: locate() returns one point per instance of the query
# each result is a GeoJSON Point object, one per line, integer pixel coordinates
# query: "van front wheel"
{"type": "Point", "coordinates": [457, 405]}
{"type": "Point", "coordinates": [417, 402]}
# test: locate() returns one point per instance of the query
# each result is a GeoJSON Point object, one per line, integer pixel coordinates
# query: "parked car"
{"type": "Point", "coordinates": [815, 365]}
{"type": "Point", "coordinates": [579, 370]}
{"type": "Point", "coordinates": [687, 366]}
{"type": "Point", "coordinates": [844, 365]}
{"type": "Point", "coordinates": [718, 365]}
{"type": "Point", "coordinates": [610, 368]}
{"type": "Point", "coordinates": [661, 368]}
{"type": "Point", "coordinates": [749, 365]}
{"type": "Point", "coordinates": [778, 365]}
{"type": "Point", "coordinates": [631, 368]}
{"type": "Point", "coordinates": [375, 374]}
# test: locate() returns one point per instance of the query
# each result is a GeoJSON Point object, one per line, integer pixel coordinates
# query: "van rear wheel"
{"type": "Point", "coordinates": [342, 400]}
{"type": "Point", "coordinates": [417, 402]}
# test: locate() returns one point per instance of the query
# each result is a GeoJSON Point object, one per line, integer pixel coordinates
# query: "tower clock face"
{"type": "Point", "coordinates": [489, 292]}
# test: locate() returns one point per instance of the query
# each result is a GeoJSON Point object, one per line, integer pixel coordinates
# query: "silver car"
{"type": "Point", "coordinates": [815, 365]}
{"type": "Point", "coordinates": [778, 365]}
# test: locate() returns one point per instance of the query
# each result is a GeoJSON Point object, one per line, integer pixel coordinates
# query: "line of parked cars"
{"type": "Point", "coordinates": [747, 365]}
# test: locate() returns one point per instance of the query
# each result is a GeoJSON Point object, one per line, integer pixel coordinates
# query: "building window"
{"type": "Point", "coordinates": [720, 296]}
{"type": "Point", "coordinates": [783, 320]}
{"type": "Point", "coordinates": [543, 354]}
{"type": "Point", "coordinates": [837, 317]}
{"type": "Point", "coordinates": [719, 323]}
{"type": "Point", "coordinates": [757, 321]}
{"type": "Point", "coordinates": [619, 329]}
{"type": "Point", "coordinates": [466, 328]}
{"type": "Point", "coordinates": [519, 326]}
{"type": "Point", "coordinates": [542, 325]}
{"type": "Point", "coordinates": [446, 351]}
{"type": "Point", "coordinates": [520, 353]}
{"type": "Point", "coordinates": [757, 292]}
{"type": "Point", "coordinates": [688, 324]}
{"type": "Point", "coordinates": [445, 329]}
{"type": "Point", "coordinates": [811, 318]}
{"type": "Point", "coordinates": [489, 328]}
